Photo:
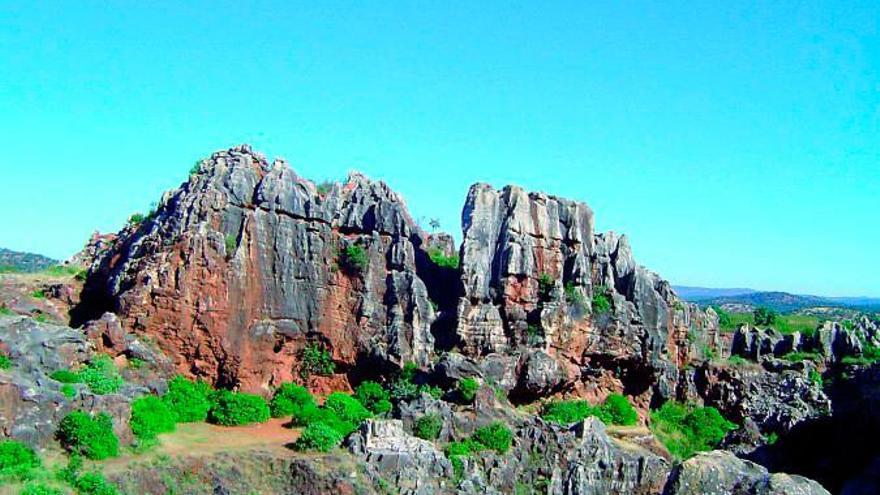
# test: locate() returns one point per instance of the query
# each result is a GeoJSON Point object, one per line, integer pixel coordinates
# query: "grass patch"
{"type": "Point", "coordinates": [783, 323]}
{"type": "Point", "coordinates": [797, 357]}
{"type": "Point", "coordinates": [686, 429]}
{"type": "Point", "coordinates": [615, 410]}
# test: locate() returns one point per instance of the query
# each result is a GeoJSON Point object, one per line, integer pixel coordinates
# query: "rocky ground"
{"type": "Point", "coordinates": [247, 266]}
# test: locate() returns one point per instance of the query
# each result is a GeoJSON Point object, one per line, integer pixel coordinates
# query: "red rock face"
{"type": "Point", "coordinates": [241, 269]}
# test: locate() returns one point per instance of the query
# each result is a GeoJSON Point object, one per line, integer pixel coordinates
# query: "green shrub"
{"type": "Point", "coordinates": [496, 436]}
{"type": "Point", "coordinates": [797, 357]}
{"type": "Point", "coordinates": [4, 311]}
{"type": "Point", "coordinates": [91, 436]}
{"type": "Point", "coordinates": [189, 401]}
{"type": "Point", "coordinates": [17, 461]}
{"type": "Point", "coordinates": [546, 283]}
{"type": "Point", "coordinates": [65, 376]}
{"type": "Point", "coordinates": [39, 489]}
{"type": "Point", "coordinates": [353, 260]}
{"type": "Point", "coordinates": [136, 219]}
{"type": "Point", "coordinates": [723, 317]}
{"type": "Point", "coordinates": [438, 258]}
{"type": "Point", "coordinates": [101, 375]}
{"type": "Point", "coordinates": [686, 429]}
{"type": "Point", "coordinates": [150, 416]}
{"type": "Point", "coordinates": [237, 409]}
{"type": "Point", "coordinates": [316, 360]}
{"type": "Point", "coordinates": [94, 484]}
{"type": "Point", "coordinates": [347, 408]}
{"type": "Point", "coordinates": [428, 427]}
{"type": "Point", "coordinates": [318, 437]}
{"type": "Point", "coordinates": [5, 362]}
{"type": "Point", "coordinates": [601, 301]}
{"type": "Point", "coordinates": [230, 243]}
{"type": "Point", "coordinates": [620, 410]}
{"type": "Point", "coordinates": [68, 391]}
{"type": "Point", "coordinates": [375, 398]}
{"type": "Point", "coordinates": [38, 294]}
{"type": "Point", "coordinates": [573, 296]}
{"type": "Point", "coordinates": [196, 168]}
{"type": "Point", "coordinates": [331, 419]}
{"type": "Point", "coordinates": [467, 389]}
{"type": "Point", "coordinates": [290, 400]}
{"type": "Point", "coordinates": [567, 412]}
{"type": "Point", "coordinates": [737, 361]}
{"type": "Point", "coordinates": [765, 316]}
{"type": "Point", "coordinates": [324, 187]}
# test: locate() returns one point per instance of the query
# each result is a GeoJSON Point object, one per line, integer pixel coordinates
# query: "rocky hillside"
{"type": "Point", "coordinates": [15, 261]}
{"type": "Point", "coordinates": [252, 279]}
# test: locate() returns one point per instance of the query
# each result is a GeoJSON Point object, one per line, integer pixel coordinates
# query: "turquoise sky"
{"type": "Point", "coordinates": [737, 144]}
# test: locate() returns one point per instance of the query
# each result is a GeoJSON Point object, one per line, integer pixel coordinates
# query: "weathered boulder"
{"type": "Point", "coordinates": [722, 473]}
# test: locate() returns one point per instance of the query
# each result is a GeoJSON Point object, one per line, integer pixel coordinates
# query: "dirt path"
{"type": "Point", "coordinates": [202, 439]}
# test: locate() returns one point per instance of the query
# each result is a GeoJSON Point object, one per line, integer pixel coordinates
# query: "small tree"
{"type": "Point", "coordinates": [467, 389]}
{"type": "Point", "coordinates": [353, 260]}
{"type": "Point", "coordinates": [601, 301]}
{"type": "Point", "coordinates": [765, 316]}
{"type": "Point", "coordinates": [375, 398]}
{"type": "Point", "coordinates": [316, 360]}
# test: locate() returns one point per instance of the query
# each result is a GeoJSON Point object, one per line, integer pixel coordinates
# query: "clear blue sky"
{"type": "Point", "coordinates": [737, 145]}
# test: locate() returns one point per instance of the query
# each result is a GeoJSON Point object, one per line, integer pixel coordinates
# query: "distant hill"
{"type": "Point", "coordinates": [15, 261]}
{"type": "Point", "coordinates": [780, 301]}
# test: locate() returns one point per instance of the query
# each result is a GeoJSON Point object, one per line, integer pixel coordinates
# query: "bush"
{"type": "Point", "coordinates": [150, 416]}
{"type": "Point", "coordinates": [601, 301]}
{"type": "Point", "coordinates": [573, 297]}
{"type": "Point", "coordinates": [331, 419]}
{"type": "Point", "coordinates": [230, 244]}
{"type": "Point", "coordinates": [438, 258]}
{"type": "Point", "coordinates": [620, 410]}
{"type": "Point", "coordinates": [5, 362]}
{"type": "Point", "coordinates": [101, 376]}
{"type": "Point", "coordinates": [319, 437]}
{"type": "Point", "coordinates": [136, 219]}
{"type": "Point", "coordinates": [353, 260]}
{"type": "Point", "coordinates": [723, 317]}
{"type": "Point", "coordinates": [94, 484]}
{"type": "Point", "coordinates": [290, 400]}
{"type": "Point", "coordinates": [238, 408]}
{"type": "Point", "coordinates": [375, 398]}
{"type": "Point", "coordinates": [765, 316]}
{"type": "Point", "coordinates": [688, 429]}
{"type": "Point", "coordinates": [90, 436]}
{"type": "Point", "coordinates": [189, 401]}
{"type": "Point", "coordinates": [316, 360]}
{"type": "Point", "coordinates": [65, 376]}
{"type": "Point", "coordinates": [545, 287]}
{"type": "Point", "coordinates": [428, 427]}
{"type": "Point", "coordinates": [496, 436]}
{"type": "Point", "coordinates": [347, 408]}
{"type": "Point", "coordinates": [467, 389]}
{"type": "Point", "coordinates": [17, 460]}
{"type": "Point", "coordinates": [39, 489]}
{"type": "Point", "coordinates": [68, 391]}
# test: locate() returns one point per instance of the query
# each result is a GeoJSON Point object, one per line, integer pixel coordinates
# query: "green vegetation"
{"type": "Point", "coordinates": [765, 316]}
{"type": "Point", "coordinates": [237, 409]}
{"type": "Point", "coordinates": [136, 219]}
{"type": "Point", "coordinates": [17, 461]}
{"type": "Point", "coordinates": [77, 272]}
{"type": "Point", "coordinates": [686, 429]}
{"type": "Point", "coordinates": [188, 401]}
{"type": "Point", "coordinates": [347, 408]}
{"type": "Point", "coordinates": [375, 398]}
{"type": "Point", "coordinates": [4, 311]}
{"type": "Point", "coordinates": [428, 427]}
{"type": "Point", "coordinates": [870, 355]}
{"type": "Point", "coordinates": [38, 294]}
{"type": "Point", "coordinates": [68, 390]}
{"type": "Point", "coordinates": [324, 187]}
{"type": "Point", "coordinates": [574, 298]}
{"type": "Point", "coordinates": [723, 317]}
{"type": "Point", "coordinates": [196, 168]}
{"type": "Point", "coordinates": [316, 360]}
{"type": "Point", "coordinates": [545, 286]}
{"type": "Point", "coordinates": [94, 484]}
{"type": "Point", "coordinates": [601, 302]}
{"type": "Point", "coordinates": [496, 436]}
{"type": "Point", "coordinates": [615, 410]}
{"type": "Point", "coordinates": [438, 258]}
{"type": "Point", "coordinates": [40, 489]}
{"type": "Point", "coordinates": [230, 243]}
{"type": "Point", "coordinates": [815, 378]}
{"type": "Point", "coordinates": [783, 323]}
{"type": "Point", "coordinates": [90, 436]}
{"type": "Point", "coordinates": [353, 260]}
{"type": "Point", "coordinates": [101, 375]}
{"type": "Point", "coordinates": [5, 362]}
{"type": "Point", "coordinates": [467, 389]}
{"type": "Point", "coordinates": [150, 416]}
{"type": "Point", "coordinates": [65, 376]}
{"type": "Point", "coordinates": [290, 400]}
{"type": "Point", "coordinates": [796, 357]}
{"type": "Point", "coordinates": [737, 361]}
{"type": "Point", "coordinates": [318, 437]}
